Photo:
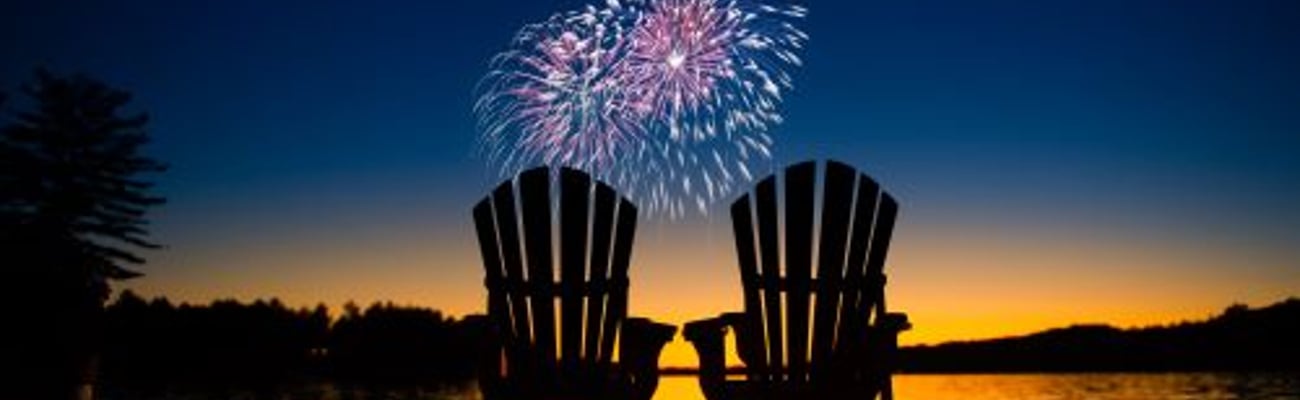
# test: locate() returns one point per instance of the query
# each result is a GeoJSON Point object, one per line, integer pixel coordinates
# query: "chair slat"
{"type": "Point", "coordinates": [770, 257]}
{"type": "Point", "coordinates": [498, 308]}
{"type": "Point", "coordinates": [575, 187]}
{"type": "Point", "coordinates": [800, 186]}
{"type": "Point", "coordinates": [873, 296]}
{"type": "Point", "coordinates": [852, 319]}
{"type": "Point", "coordinates": [601, 241]}
{"type": "Point", "coordinates": [503, 204]}
{"type": "Point", "coordinates": [625, 232]}
{"type": "Point", "coordinates": [534, 189]}
{"type": "Point", "coordinates": [752, 348]}
{"type": "Point", "coordinates": [837, 203]}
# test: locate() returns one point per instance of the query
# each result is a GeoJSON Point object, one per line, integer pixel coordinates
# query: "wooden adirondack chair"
{"type": "Point", "coordinates": [848, 350]}
{"type": "Point", "coordinates": [595, 230]}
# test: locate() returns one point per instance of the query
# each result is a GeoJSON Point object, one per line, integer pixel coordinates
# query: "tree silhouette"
{"type": "Point", "coordinates": [72, 182]}
{"type": "Point", "coordinates": [72, 213]}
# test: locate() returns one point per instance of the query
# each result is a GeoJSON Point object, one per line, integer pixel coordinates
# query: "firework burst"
{"type": "Point", "coordinates": [668, 100]}
{"type": "Point", "coordinates": [553, 99]}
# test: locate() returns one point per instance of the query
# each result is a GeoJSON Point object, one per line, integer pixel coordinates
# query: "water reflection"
{"type": "Point", "coordinates": [679, 388]}
{"type": "Point", "coordinates": [314, 391]}
{"type": "Point", "coordinates": [1099, 386]}
{"type": "Point", "coordinates": [1102, 386]}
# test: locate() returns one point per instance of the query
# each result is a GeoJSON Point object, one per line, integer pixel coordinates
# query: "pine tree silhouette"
{"type": "Point", "coordinates": [72, 214]}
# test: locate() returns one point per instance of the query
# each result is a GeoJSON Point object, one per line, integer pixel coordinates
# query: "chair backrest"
{"type": "Point", "coordinates": [844, 291]}
{"type": "Point", "coordinates": [595, 232]}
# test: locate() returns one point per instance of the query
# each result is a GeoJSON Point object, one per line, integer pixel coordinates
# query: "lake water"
{"type": "Point", "coordinates": [1152, 386]}
{"type": "Point", "coordinates": [1099, 386]}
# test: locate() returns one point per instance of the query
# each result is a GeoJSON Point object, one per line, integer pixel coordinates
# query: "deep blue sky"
{"type": "Point", "coordinates": [294, 126]}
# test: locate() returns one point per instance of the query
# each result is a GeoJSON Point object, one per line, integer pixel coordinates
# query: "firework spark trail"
{"type": "Point", "coordinates": [712, 72]}
{"type": "Point", "coordinates": [679, 54]}
{"type": "Point", "coordinates": [668, 100]}
{"type": "Point", "coordinates": [553, 100]}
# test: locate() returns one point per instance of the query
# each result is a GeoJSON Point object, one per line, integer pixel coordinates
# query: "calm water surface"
{"type": "Point", "coordinates": [1111, 386]}
{"type": "Point", "coordinates": [1108, 386]}
{"type": "Point", "coordinates": [1062, 387]}
{"type": "Point", "coordinates": [1101, 386]}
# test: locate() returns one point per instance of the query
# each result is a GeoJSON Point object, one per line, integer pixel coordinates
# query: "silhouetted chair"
{"type": "Point", "coordinates": [848, 351]}
{"type": "Point", "coordinates": [595, 228]}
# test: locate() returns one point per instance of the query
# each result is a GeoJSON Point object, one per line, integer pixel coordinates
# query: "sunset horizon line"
{"type": "Point", "coordinates": [336, 310]}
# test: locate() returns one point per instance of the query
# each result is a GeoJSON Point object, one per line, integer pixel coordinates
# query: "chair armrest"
{"type": "Point", "coordinates": [895, 322]}
{"type": "Point", "coordinates": [879, 344]}
{"type": "Point", "coordinates": [707, 336]}
{"type": "Point", "coordinates": [642, 340]}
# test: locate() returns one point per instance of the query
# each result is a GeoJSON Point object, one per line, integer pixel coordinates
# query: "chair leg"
{"type": "Point", "coordinates": [707, 336]}
{"type": "Point", "coordinates": [642, 342]}
{"type": "Point", "coordinates": [887, 388]}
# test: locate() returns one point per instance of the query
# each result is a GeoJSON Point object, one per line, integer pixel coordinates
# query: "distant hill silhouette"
{"type": "Point", "coordinates": [1240, 339]}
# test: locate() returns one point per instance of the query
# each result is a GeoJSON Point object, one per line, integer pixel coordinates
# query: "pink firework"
{"type": "Point", "coordinates": [680, 51]}
{"type": "Point", "coordinates": [555, 100]}
{"type": "Point", "coordinates": [711, 67]}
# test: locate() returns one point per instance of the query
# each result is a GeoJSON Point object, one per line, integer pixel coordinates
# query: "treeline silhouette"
{"type": "Point", "coordinates": [156, 345]}
{"type": "Point", "coordinates": [262, 344]}
{"type": "Point", "coordinates": [1240, 339]}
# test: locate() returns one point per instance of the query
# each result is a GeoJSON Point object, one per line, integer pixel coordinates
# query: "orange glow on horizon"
{"type": "Point", "coordinates": [955, 283]}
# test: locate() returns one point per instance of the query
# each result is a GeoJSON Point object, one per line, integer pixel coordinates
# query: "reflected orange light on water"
{"type": "Point", "coordinates": [678, 388]}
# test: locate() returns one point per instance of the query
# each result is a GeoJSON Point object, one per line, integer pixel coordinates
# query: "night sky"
{"type": "Point", "coordinates": [1129, 162]}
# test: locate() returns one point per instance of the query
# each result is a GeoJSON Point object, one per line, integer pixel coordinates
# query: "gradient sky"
{"type": "Point", "coordinates": [1129, 162]}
